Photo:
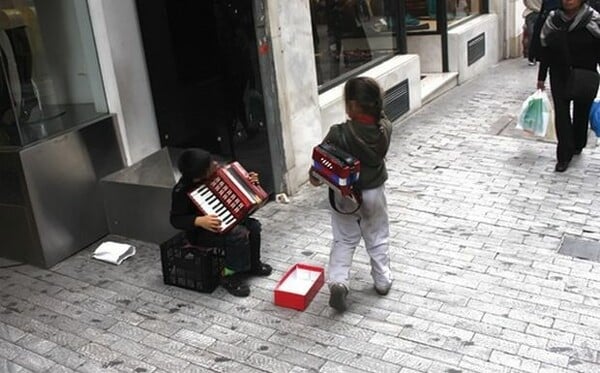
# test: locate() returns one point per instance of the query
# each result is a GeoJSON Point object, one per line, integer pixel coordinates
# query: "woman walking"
{"type": "Point", "coordinates": [570, 40]}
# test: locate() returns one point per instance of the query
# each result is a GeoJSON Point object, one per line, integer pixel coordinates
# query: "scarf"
{"type": "Point", "coordinates": [558, 21]}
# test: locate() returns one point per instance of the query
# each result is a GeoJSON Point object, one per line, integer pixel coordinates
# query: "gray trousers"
{"type": "Point", "coordinates": [370, 223]}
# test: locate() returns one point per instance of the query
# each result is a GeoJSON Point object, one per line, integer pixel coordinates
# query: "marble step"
{"type": "Point", "coordinates": [435, 84]}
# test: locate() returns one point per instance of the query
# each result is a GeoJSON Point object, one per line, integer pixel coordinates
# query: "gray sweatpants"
{"type": "Point", "coordinates": [371, 223]}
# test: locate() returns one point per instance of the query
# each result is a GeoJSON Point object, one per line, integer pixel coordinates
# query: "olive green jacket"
{"type": "Point", "coordinates": [368, 143]}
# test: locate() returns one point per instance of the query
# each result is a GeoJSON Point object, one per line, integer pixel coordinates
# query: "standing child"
{"type": "Point", "coordinates": [366, 135]}
{"type": "Point", "coordinates": [241, 244]}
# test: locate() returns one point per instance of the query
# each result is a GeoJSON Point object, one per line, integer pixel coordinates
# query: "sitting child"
{"type": "Point", "coordinates": [241, 244]}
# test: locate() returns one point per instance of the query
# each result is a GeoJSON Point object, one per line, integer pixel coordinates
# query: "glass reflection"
{"type": "Point", "coordinates": [49, 72]}
{"type": "Point", "coordinates": [422, 14]}
{"type": "Point", "coordinates": [350, 33]}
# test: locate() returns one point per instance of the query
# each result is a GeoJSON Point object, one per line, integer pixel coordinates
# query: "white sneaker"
{"type": "Point", "coordinates": [383, 289]}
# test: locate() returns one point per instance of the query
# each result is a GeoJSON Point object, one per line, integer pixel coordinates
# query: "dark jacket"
{"type": "Point", "coordinates": [183, 210]}
{"type": "Point", "coordinates": [566, 44]}
{"type": "Point", "coordinates": [370, 148]}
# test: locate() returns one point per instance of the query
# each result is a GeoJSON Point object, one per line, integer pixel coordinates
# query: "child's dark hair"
{"type": "Point", "coordinates": [367, 93]}
{"type": "Point", "coordinates": [193, 163]}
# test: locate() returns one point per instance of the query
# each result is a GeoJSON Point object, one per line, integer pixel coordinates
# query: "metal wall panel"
{"type": "Point", "coordinates": [63, 207]}
{"type": "Point", "coordinates": [137, 199]}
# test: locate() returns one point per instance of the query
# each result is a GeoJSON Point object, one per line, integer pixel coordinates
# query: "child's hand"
{"type": "Point", "coordinates": [253, 177]}
{"type": "Point", "coordinates": [209, 222]}
{"type": "Point", "coordinates": [313, 180]}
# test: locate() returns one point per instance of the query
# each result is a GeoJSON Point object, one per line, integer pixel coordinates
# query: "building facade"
{"type": "Point", "coordinates": [94, 89]}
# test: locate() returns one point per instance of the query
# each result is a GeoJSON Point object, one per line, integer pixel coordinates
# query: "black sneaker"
{"type": "Point", "coordinates": [337, 297]}
{"type": "Point", "coordinates": [235, 286]}
{"type": "Point", "coordinates": [561, 166]}
{"type": "Point", "coordinates": [262, 269]}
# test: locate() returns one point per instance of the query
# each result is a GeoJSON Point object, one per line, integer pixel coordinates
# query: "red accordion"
{"type": "Point", "coordinates": [336, 168]}
{"type": "Point", "coordinates": [230, 195]}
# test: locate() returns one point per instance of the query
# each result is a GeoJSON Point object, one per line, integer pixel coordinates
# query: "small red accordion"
{"type": "Point", "coordinates": [230, 195]}
{"type": "Point", "coordinates": [336, 168]}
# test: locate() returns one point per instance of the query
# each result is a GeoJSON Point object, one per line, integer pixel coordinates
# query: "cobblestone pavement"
{"type": "Point", "coordinates": [477, 219]}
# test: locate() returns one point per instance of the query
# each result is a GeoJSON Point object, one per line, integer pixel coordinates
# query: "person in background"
{"type": "Point", "coordinates": [534, 47]}
{"type": "Point", "coordinates": [366, 135]}
{"type": "Point", "coordinates": [594, 4]}
{"type": "Point", "coordinates": [570, 38]}
{"type": "Point", "coordinates": [241, 244]}
{"type": "Point", "coordinates": [530, 14]}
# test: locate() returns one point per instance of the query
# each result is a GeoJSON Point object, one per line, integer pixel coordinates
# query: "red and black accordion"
{"type": "Point", "coordinates": [337, 168]}
{"type": "Point", "coordinates": [230, 195]}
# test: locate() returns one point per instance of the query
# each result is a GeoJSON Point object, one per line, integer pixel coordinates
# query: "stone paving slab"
{"type": "Point", "coordinates": [477, 217]}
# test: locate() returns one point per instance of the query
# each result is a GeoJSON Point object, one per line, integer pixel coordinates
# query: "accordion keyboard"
{"type": "Point", "coordinates": [211, 205]}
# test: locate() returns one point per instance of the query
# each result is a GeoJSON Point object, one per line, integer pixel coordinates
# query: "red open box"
{"type": "Point", "coordinates": [298, 286]}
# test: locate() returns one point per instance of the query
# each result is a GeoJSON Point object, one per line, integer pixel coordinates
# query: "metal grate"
{"type": "Point", "coordinates": [396, 101]}
{"type": "Point", "coordinates": [579, 248]}
{"type": "Point", "coordinates": [475, 48]}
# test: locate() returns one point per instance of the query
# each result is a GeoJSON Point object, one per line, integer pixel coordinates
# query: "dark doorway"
{"type": "Point", "coordinates": [202, 62]}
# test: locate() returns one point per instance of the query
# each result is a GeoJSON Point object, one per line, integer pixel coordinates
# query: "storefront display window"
{"type": "Point", "coordinates": [421, 15]}
{"type": "Point", "coordinates": [349, 34]}
{"type": "Point", "coordinates": [49, 71]}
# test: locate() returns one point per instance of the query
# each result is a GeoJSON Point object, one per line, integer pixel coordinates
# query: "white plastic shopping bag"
{"type": "Point", "coordinates": [536, 114]}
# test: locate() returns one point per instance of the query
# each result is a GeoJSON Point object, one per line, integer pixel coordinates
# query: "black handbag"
{"type": "Point", "coordinates": [582, 84]}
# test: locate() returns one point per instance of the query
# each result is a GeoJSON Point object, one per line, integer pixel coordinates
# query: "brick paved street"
{"type": "Point", "coordinates": [477, 219]}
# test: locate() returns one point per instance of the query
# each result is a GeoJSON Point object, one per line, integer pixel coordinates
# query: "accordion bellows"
{"type": "Point", "coordinates": [230, 195]}
{"type": "Point", "coordinates": [335, 167]}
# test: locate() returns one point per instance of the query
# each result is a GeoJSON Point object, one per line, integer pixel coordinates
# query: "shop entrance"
{"type": "Point", "coordinates": [203, 68]}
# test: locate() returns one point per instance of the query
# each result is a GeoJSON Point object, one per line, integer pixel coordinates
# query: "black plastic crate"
{"type": "Point", "coordinates": [190, 267]}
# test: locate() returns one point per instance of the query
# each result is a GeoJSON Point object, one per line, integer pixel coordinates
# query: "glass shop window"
{"type": "Point", "coordinates": [421, 15]}
{"type": "Point", "coordinates": [49, 73]}
{"type": "Point", "coordinates": [348, 34]}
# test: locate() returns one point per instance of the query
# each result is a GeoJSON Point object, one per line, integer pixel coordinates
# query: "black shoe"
{"type": "Point", "coordinates": [337, 297]}
{"type": "Point", "coordinates": [561, 166]}
{"type": "Point", "coordinates": [261, 269]}
{"type": "Point", "coordinates": [235, 286]}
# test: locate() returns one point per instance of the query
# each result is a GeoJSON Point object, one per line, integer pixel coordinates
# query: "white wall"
{"type": "Point", "coordinates": [458, 38]}
{"type": "Point", "coordinates": [293, 56]}
{"type": "Point", "coordinates": [123, 65]}
{"type": "Point", "coordinates": [510, 26]}
{"type": "Point", "coordinates": [429, 49]}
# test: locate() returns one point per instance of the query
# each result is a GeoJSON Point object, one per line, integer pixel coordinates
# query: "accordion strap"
{"type": "Point", "coordinates": [357, 198]}
{"type": "Point", "coordinates": [356, 193]}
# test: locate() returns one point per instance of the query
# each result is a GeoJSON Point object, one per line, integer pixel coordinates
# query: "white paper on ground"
{"type": "Point", "coordinates": [299, 281]}
{"type": "Point", "coordinates": [113, 252]}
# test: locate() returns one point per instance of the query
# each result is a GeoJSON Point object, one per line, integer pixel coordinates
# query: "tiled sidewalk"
{"type": "Point", "coordinates": [477, 219]}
